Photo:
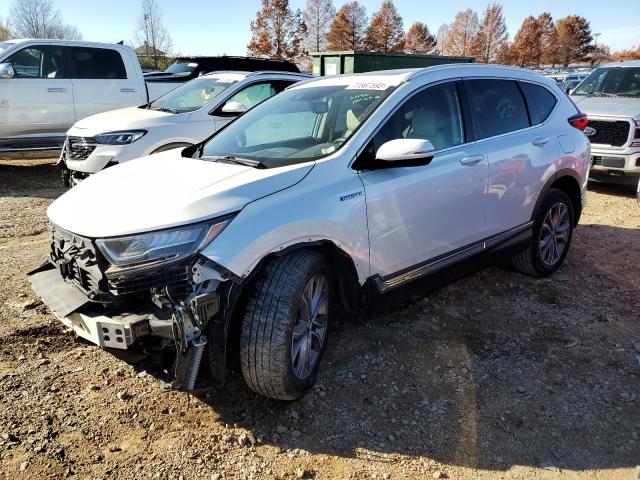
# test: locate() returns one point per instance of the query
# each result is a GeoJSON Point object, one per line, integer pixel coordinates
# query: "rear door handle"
{"type": "Point", "coordinates": [540, 142]}
{"type": "Point", "coordinates": [472, 160]}
{"type": "Point", "coordinates": [56, 89]}
{"type": "Point", "coordinates": [128, 90]}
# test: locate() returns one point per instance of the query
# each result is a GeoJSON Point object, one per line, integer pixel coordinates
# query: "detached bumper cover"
{"type": "Point", "coordinates": [72, 307]}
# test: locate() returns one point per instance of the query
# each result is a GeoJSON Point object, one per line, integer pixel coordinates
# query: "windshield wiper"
{"type": "Point", "coordinates": [236, 160]}
{"type": "Point", "coordinates": [164, 109]}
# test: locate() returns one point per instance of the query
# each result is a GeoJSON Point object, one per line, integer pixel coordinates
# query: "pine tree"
{"type": "Point", "coordinates": [527, 46]}
{"type": "Point", "coordinates": [491, 35]}
{"type": "Point", "coordinates": [385, 33]}
{"type": "Point", "coordinates": [348, 28]}
{"type": "Point", "coordinates": [418, 40]}
{"type": "Point", "coordinates": [574, 39]}
{"type": "Point", "coordinates": [548, 39]}
{"type": "Point", "coordinates": [277, 32]}
{"type": "Point", "coordinates": [462, 32]}
{"type": "Point", "coordinates": [318, 16]}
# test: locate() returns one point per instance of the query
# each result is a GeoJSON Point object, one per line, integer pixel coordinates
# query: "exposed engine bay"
{"type": "Point", "coordinates": [162, 309]}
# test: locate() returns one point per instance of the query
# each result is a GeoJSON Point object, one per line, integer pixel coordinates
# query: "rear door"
{"type": "Point", "coordinates": [519, 144]}
{"type": "Point", "coordinates": [37, 102]}
{"type": "Point", "coordinates": [102, 81]}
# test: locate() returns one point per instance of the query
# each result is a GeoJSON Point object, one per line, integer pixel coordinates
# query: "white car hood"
{"type": "Point", "coordinates": [613, 106]}
{"type": "Point", "coordinates": [164, 190]}
{"type": "Point", "coordinates": [123, 119]}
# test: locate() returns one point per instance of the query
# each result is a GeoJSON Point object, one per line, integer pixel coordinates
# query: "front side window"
{"type": "Point", "coordinates": [433, 114]}
{"type": "Point", "coordinates": [498, 107]}
{"type": "Point", "coordinates": [192, 95]}
{"type": "Point", "coordinates": [539, 100]}
{"type": "Point", "coordinates": [257, 93]}
{"type": "Point", "coordinates": [97, 64]}
{"type": "Point", "coordinates": [38, 62]}
{"type": "Point", "coordinates": [297, 125]}
{"type": "Point", "coordinates": [611, 81]}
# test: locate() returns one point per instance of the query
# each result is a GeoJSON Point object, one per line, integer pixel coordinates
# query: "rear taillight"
{"type": "Point", "coordinates": [579, 121]}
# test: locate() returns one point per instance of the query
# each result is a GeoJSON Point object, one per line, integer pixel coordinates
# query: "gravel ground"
{"type": "Point", "coordinates": [495, 376]}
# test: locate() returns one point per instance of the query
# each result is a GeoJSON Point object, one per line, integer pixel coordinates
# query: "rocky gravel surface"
{"type": "Point", "coordinates": [495, 376]}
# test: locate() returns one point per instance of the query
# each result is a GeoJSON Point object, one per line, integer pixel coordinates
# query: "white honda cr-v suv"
{"type": "Point", "coordinates": [334, 190]}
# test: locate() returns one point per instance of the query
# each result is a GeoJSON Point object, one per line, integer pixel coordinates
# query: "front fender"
{"type": "Point", "coordinates": [316, 209]}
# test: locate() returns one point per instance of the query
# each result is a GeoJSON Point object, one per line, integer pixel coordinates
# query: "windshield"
{"type": "Point", "coordinates": [182, 68]}
{"type": "Point", "coordinates": [192, 95]}
{"type": "Point", "coordinates": [611, 81]}
{"type": "Point", "coordinates": [296, 125]}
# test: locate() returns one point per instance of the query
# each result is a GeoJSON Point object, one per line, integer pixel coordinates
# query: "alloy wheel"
{"type": "Point", "coordinates": [310, 329]}
{"type": "Point", "coordinates": [554, 234]}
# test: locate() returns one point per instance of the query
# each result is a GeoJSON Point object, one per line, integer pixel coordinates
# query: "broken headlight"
{"type": "Point", "coordinates": [165, 246]}
{"type": "Point", "coordinates": [120, 138]}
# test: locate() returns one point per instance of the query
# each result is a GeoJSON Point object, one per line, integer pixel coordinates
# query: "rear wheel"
{"type": "Point", "coordinates": [552, 233]}
{"type": "Point", "coordinates": [285, 324]}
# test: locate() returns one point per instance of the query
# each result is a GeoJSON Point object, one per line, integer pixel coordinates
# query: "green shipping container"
{"type": "Point", "coordinates": [334, 63]}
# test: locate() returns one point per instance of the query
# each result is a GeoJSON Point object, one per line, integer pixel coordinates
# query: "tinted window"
{"type": "Point", "coordinates": [433, 114]}
{"type": "Point", "coordinates": [540, 101]}
{"type": "Point", "coordinates": [38, 62]}
{"type": "Point", "coordinates": [498, 107]}
{"type": "Point", "coordinates": [97, 63]}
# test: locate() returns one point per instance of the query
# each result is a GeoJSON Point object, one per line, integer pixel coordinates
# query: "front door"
{"type": "Point", "coordinates": [417, 214]}
{"type": "Point", "coordinates": [37, 104]}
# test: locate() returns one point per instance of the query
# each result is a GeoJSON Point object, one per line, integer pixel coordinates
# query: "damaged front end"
{"type": "Point", "coordinates": [153, 291]}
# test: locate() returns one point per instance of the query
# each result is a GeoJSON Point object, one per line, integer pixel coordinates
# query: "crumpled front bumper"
{"type": "Point", "coordinates": [73, 308]}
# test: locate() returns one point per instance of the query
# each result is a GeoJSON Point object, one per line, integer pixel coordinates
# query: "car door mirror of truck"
{"type": "Point", "coordinates": [7, 71]}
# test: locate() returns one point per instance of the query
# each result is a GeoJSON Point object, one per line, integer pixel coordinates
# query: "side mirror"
{"type": "Point", "coordinates": [7, 71]}
{"type": "Point", "coordinates": [233, 109]}
{"type": "Point", "coordinates": [406, 152]}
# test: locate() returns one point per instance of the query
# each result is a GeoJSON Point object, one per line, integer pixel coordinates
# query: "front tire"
{"type": "Point", "coordinates": [551, 239]}
{"type": "Point", "coordinates": [285, 324]}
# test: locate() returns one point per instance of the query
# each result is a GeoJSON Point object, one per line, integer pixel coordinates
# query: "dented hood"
{"type": "Point", "coordinates": [164, 190]}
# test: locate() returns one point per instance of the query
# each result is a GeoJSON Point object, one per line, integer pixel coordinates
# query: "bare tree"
{"type": "Point", "coordinates": [462, 32]}
{"type": "Point", "coordinates": [152, 34]}
{"type": "Point", "coordinates": [318, 16]}
{"type": "Point", "coordinates": [441, 38]}
{"type": "Point", "coordinates": [5, 33]}
{"type": "Point", "coordinates": [40, 19]}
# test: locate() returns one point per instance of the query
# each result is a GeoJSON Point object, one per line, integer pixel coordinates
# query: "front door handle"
{"type": "Point", "coordinates": [472, 160]}
{"type": "Point", "coordinates": [56, 89]}
{"type": "Point", "coordinates": [540, 142]}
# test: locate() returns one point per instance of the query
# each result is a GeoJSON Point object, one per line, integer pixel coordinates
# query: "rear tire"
{"type": "Point", "coordinates": [551, 238]}
{"type": "Point", "coordinates": [285, 323]}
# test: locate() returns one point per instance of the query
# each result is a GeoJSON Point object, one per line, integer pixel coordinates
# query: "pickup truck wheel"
{"type": "Point", "coordinates": [284, 328]}
{"type": "Point", "coordinates": [552, 233]}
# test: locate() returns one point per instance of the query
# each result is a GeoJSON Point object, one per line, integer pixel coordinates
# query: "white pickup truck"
{"type": "Point", "coordinates": [48, 85]}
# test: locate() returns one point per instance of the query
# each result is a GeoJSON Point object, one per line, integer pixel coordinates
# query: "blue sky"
{"type": "Point", "coordinates": [215, 27]}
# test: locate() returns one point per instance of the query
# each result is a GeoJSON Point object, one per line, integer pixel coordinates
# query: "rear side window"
{"type": "Point", "coordinates": [97, 63]}
{"type": "Point", "coordinates": [539, 100]}
{"type": "Point", "coordinates": [498, 107]}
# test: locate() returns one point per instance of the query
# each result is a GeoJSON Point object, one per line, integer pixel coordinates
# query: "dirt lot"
{"type": "Point", "coordinates": [494, 376]}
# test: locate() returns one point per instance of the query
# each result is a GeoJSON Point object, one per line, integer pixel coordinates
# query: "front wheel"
{"type": "Point", "coordinates": [552, 233]}
{"type": "Point", "coordinates": [285, 324]}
